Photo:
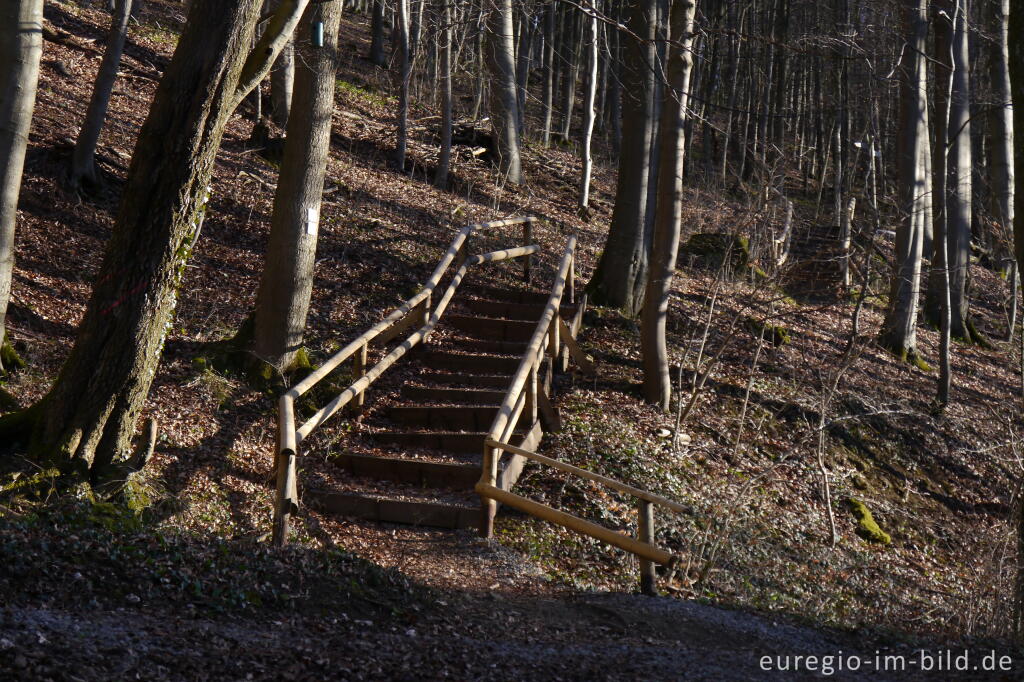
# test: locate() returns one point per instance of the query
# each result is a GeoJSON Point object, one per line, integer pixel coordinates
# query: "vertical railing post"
{"type": "Point", "coordinates": [287, 488]}
{"type": "Point", "coordinates": [527, 240]}
{"type": "Point", "coordinates": [645, 533]}
{"type": "Point", "coordinates": [488, 507]}
{"type": "Point", "coordinates": [572, 279]}
{"type": "Point", "coordinates": [530, 408]}
{"type": "Point", "coordinates": [359, 362]}
{"type": "Point", "coordinates": [554, 343]}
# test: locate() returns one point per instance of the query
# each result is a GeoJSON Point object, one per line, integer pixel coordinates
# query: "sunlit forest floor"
{"type": "Point", "coordinates": [756, 537]}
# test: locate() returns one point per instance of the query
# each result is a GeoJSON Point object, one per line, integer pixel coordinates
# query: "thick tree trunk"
{"type": "Point", "coordinates": [504, 100]}
{"type": "Point", "coordinates": [588, 107]}
{"type": "Point", "coordinates": [952, 167]}
{"type": "Point", "coordinates": [657, 383]}
{"type": "Point", "coordinates": [377, 33]}
{"type": "Point", "coordinates": [282, 301]}
{"type": "Point", "coordinates": [445, 36]}
{"type": "Point", "coordinates": [622, 270]}
{"type": "Point", "coordinates": [402, 74]}
{"type": "Point", "coordinates": [899, 330]}
{"type": "Point", "coordinates": [88, 417]}
{"type": "Point", "coordinates": [21, 46]}
{"type": "Point", "coordinates": [83, 162]}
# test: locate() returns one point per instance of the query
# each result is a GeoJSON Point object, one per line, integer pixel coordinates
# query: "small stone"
{"type": "Point", "coordinates": [133, 598]}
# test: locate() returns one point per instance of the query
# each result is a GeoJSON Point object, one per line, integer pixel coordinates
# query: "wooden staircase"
{"type": "Point", "coordinates": [433, 434]}
{"type": "Point", "coordinates": [419, 448]}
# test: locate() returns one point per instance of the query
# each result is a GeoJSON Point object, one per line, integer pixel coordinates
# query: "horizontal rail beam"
{"type": "Point", "coordinates": [542, 511]}
{"type": "Point", "coordinates": [590, 475]}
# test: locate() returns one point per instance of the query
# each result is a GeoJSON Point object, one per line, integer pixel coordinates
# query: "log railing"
{"type": "Point", "coordinates": [420, 314]}
{"type": "Point", "coordinates": [555, 338]}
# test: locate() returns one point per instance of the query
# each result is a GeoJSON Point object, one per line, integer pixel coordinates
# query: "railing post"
{"type": "Point", "coordinates": [554, 342]}
{"type": "Point", "coordinates": [645, 533]}
{"type": "Point", "coordinates": [425, 311]}
{"type": "Point", "coordinates": [530, 408]}
{"type": "Point", "coordinates": [527, 240]}
{"type": "Point", "coordinates": [359, 362]}
{"type": "Point", "coordinates": [488, 507]}
{"type": "Point", "coordinates": [572, 279]}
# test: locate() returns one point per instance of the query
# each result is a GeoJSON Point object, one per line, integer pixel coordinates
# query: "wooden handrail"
{"type": "Point", "coordinates": [640, 549]}
{"type": "Point", "coordinates": [510, 409]}
{"type": "Point", "coordinates": [289, 436]}
{"type": "Point", "coordinates": [643, 546]}
{"type": "Point", "coordinates": [590, 475]}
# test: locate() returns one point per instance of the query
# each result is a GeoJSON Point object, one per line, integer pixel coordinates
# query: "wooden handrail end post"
{"type": "Point", "coordinates": [645, 533]}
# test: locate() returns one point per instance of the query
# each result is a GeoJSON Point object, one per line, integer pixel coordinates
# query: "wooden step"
{"type": "Point", "coordinates": [516, 348]}
{"type": "Point", "coordinates": [493, 381]}
{"type": "Point", "coordinates": [493, 328]}
{"type": "Point", "coordinates": [514, 311]}
{"type": "Point", "coordinates": [506, 295]}
{"type": "Point", "coordinates": [448, 441]}
{"type": "Point", "coordinates": [389, 510]}
{"type": "Point", "coordinates": [442, 509]}
{"type": "Point", "coordinates": [470, 362]}
{"type": "Point", "coordinates": [461, 396]}
{"type": "Point", "coordinates": [411, 471]}
{"type": "Point", "coordinates": [446, 417]}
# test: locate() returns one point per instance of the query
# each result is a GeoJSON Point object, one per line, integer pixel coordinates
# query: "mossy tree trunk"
{"type": "Point", "coordinates": [282, 302]}
{"type": "Point", "coordinates": [87, 419]}
{"type": "Point", "coordinates": [21, 46]}
{"type": "Point", "coordinates": [657, 384]}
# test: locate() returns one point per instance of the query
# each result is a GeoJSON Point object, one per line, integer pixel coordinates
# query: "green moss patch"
{"type": "Point", "coordinates": [867, 528]}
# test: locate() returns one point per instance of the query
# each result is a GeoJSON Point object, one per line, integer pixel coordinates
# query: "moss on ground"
{"type": "Point", "coordinates": [867, 527]}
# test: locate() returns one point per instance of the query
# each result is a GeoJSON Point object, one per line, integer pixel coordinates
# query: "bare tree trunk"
{"type": "Point", "coordinates": [588, 106]}
{"type": "Point", "coordinates": [952, 167]}
{"type": "Point", "coordinates": [504, 100]}
{"type": "Point", "coordinates": [621, 273]}
{"type": "Point", "coordinates": [282, 83]}
{"type": "Point", "coordinates": [657, 382]}
{"type": "Point", "coordinates": [377, 34]}
{"type": "Point", "coordinates": [549, 70]}
{"type": "Point", "coordinates": [445, 36]}
{"type": "Point", "coordinates": [899, 330]}
{"type": "Point", "coordinates": [21, 46]}
{"type": "Point", "coordinates": [401, 46]}
{"type": "Point", "coordinates": [282, 301]}
{"type": "Point", "coordinates": [88, 417]}
{"type": "Point", "coordinates": [83, 162]}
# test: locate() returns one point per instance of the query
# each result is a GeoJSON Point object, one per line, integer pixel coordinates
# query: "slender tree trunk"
{"type": "Point", "coordinates": [402, 74]}
{"type": "Point", "coordinates": [83, 162]}
{"type": "Point", "coordinates": [622, 270]}
{"type": "Point", "coordinates": [1001, 145]}
{"type": "Point", "coordinates": [549, 70]}
{"type": "Point", "coordinates": [282, 83]}
{"type": "Point", "coordinates": [1015, 42]}
{"type": "Point", "coordinates": [588, 104]}
{"type": "Point", "coordinates": [899, 330]}
{"type": "Point", "coordinates": [21, 46]}
{"type": "Point", "coordinates": [282, 301]}
{"type": "Point", "coordinates": [445, 36]}
{"type": "Point", "coordinates": [504, 100]}
{"type": "Point", "coordinates": [377, 34]}
{"type": "Point", "coordinates": [657, 382]}
{"type": "Point", "coordinates": [88, 417]}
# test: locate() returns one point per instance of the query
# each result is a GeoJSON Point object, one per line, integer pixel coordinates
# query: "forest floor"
{"type": "Point", "coordinates": [188, 588]}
